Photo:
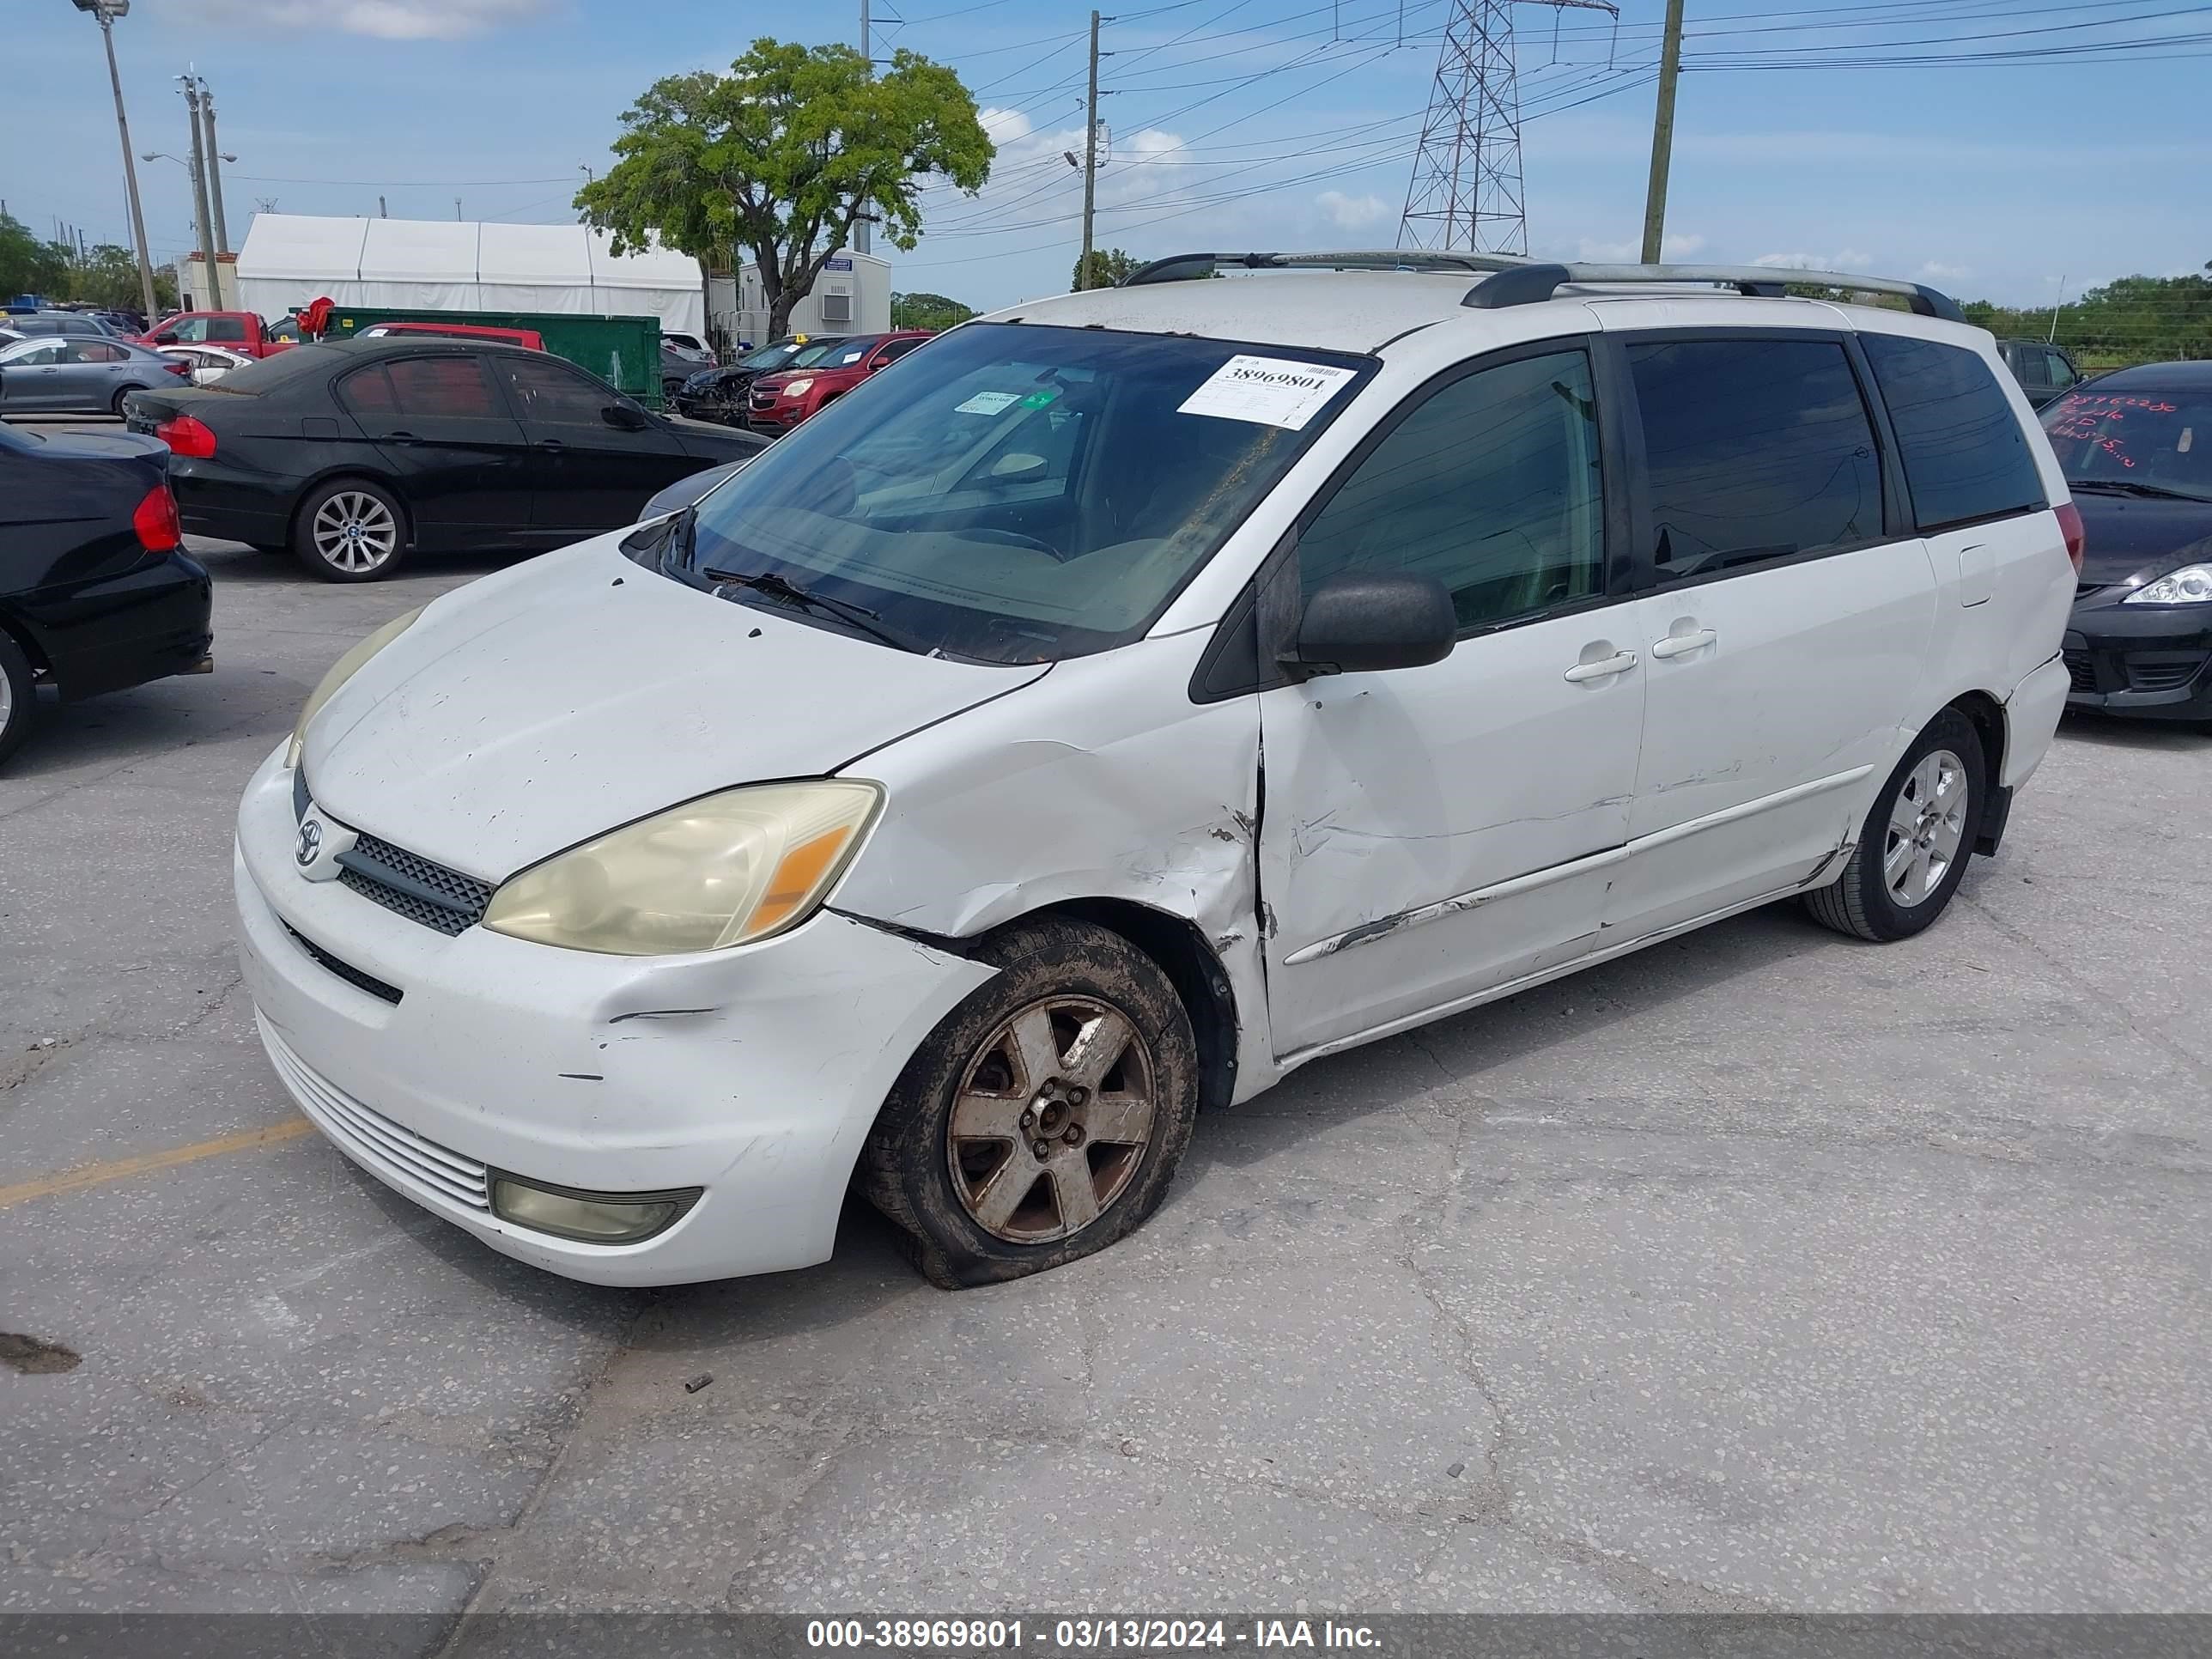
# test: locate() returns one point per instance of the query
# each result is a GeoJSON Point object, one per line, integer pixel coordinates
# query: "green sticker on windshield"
{"type": "Point", "coordinates": [1038, 399]}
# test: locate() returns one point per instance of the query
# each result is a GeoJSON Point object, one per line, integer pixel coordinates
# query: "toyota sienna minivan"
{"type": "Point", "coordinates": [1139, 694]}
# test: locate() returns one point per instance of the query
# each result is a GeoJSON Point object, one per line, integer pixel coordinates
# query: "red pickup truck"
{"type": "Point", "coordinates": [235, 331]}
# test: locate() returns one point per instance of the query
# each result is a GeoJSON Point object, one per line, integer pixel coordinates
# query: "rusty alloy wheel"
{"type": "Point", "coordinates": [1051, 1119]}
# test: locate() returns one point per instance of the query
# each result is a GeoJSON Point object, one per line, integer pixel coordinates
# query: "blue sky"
{"type": "Point", "coordinates": [1276, 124]}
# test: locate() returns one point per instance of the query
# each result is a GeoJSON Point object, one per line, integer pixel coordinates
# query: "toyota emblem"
{"type": "Point", "coordinates": [311, 842]}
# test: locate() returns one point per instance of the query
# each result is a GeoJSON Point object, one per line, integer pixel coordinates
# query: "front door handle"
{"type": "Point", "coordinates": [1620, 663]}
{"type": "Point", "coordinates": [551, 446]}
{"type": "Point", "coordinates": [1681, 644]}
{"type": "Point", "coordinates": [402, 438]}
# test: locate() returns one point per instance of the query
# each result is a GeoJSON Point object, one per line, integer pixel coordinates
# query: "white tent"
{"type": "Point", "coordinates": [439, 264]}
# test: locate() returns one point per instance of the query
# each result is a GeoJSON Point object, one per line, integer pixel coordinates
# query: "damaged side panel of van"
{"type": "Point", "coordinates": [1071, 792]}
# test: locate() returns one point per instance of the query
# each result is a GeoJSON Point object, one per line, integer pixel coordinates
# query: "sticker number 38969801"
{"type": "Point", "coordinates": [1270, 391]}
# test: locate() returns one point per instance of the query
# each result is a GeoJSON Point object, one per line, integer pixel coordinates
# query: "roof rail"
{"type": "Point", "coordinates": [1512, 279]}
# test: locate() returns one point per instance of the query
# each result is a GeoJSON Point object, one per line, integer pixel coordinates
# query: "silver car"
{"type": "Point", "coordinates": [64, 373]}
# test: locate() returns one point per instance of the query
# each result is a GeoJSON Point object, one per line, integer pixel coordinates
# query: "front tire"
{"type": "Point", "coordinates": [1043, 1119]}
{"type": "Point", "coordinates": [1914, 846]}
{"type": "Point", "coordinates": [19, 696]}
{"type": "Point", "coordinates": [351, 530]}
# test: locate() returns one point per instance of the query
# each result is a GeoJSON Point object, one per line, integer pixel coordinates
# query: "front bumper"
{"type": "Point", "coordinates": [2148, 661]}
{"type": "Point", "coordinates": [754, 1072]}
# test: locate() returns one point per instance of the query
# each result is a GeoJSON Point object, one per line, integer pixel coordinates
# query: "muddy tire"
{"type": "Point", "coordinates": [1914, 846]}
{"type": "Point", "coordinates": [1043, 1119]}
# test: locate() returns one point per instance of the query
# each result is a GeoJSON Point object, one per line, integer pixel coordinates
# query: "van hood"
{"type": "Point", "coordinates": [549, 703]}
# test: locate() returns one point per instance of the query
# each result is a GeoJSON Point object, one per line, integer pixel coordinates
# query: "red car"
{"type": "Point", "coordinates": [779, 402]}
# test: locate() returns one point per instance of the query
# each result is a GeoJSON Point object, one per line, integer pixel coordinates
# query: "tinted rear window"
{"type": "Point", "coordinates": [1756, 449]}
{"type": "Point", "coordinates": [1965, 457]}
{"type": "Point", "coordinates": [267, 374]}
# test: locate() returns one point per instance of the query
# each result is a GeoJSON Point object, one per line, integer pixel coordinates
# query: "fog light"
{"type": "Point", "coordinates": [589, 1217]}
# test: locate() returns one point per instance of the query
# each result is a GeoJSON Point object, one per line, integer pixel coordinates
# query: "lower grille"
{"type": "Point", "coordinates": [2162, 674]}
{"type": "Point", "coordinates": [410, 885]}
{"type": "Point", "coordinates": [2080, 670]}
{"type": "Point", "coordinates": [345, 970]}
{"type": "Point", "coordinates": [372, 1139]}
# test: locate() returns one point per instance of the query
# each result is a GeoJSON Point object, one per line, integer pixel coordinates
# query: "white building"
{"type": "Point", "coordinates": [290, 259]}
{"type": "Point", "coordinates": [853, 295]}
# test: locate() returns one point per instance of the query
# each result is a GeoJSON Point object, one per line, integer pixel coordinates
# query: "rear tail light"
{"type": "Point", "coordinates": [178, 366]}
{"type": "Point", "coordinates": [156, 521]}
{"type": "Point", "coordinates": [186, 436]}
{"type": "Point", "coordinates": [2069, 526]}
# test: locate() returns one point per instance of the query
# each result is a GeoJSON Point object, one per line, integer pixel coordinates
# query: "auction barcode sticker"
{"type": "Point", "coordinates": [1271, 390]}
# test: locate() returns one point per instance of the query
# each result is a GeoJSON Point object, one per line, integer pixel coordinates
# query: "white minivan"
{"type": "Point", "coordinates": [1126, 699]}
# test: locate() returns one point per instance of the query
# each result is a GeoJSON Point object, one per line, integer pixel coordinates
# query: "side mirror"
{"type": "Point", "coordinates": [624, 417]}
{"type": "Point", "coordinates": [1363, 622]}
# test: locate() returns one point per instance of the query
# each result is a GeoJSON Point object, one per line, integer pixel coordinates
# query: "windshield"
{"type": "Point", "coordinates": [2161, 440]}
{"type": "Point", "coordinates": [1021, 494]}
{"type": "Point", "coordinates": [770, 356]}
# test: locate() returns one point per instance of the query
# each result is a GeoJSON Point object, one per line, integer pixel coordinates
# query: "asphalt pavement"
{"type": "Point", "coordinates": [1761, 1271]}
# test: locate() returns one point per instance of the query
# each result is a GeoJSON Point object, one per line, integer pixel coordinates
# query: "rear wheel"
{"type": "Point", "coordinates": [1913, 848]}
{"type": "Point", "coordinates": [351, 530]}
{"type": "Point", "coordinates": [115, 404]}
{"type": "Point", "coordinates": [1043, 1119]}
{"type": "Point", "coordinates": [19, 704]}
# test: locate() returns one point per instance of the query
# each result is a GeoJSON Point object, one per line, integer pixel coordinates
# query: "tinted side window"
{"type": "Point", "coordinates": [1492, 486]}
{"type": "Point", "coordinates": [1756, 449]}
{"type": "Point", "coordinates": [368, 392]}
{"type": "Point", "coordinates": [2061, 372]}
{"type": "Point", "coordinates": [1964, 455]}
{"type": "Point", "coordinates": [896, 349]}
{"type": "Point", "coordinates": [545, 391]}
{"type": "Point", "coordinates": [231, 329]}
{"type": "Point", "coordinates": [2033, 370]}
{"type": "Point", "coordinates": [450, 388]}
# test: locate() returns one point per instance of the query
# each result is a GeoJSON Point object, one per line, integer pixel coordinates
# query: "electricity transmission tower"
{"type": "Point", "coordinates": [1466, 190]}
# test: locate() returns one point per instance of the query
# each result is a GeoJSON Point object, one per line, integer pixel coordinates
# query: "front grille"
{"type": "Point", "coordinates": [370, 1139]}
{"type": "Point", "coordinates": [410, 885]}
{"type": "Point", "coordinates": [345, 970]}
{"type": "Point", "coordinates": [2080, 670]}
{"type": "Point", "coordinates": [2162, 673]}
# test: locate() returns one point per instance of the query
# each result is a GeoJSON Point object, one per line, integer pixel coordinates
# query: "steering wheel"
{"type": "Point", "coordinates": [1013, 538]}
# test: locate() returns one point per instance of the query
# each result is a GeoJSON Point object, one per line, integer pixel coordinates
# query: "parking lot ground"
{"type": "Point", "coordinates": [1763, 1270]}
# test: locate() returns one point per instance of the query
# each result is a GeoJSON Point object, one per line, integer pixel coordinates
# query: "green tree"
{"type": "Point", "coordinates": [108, 275]}
{"type": "Point", "coordinates": [927, 311]}
{"type": "Point", "coordinates": [29, 265]}
{"type": "Point", "coordinates": [1108, 265]}
{"type": "Point", "coordinates": [2133, 319]}
{"type": "Point", "coordinates": [780, 158]}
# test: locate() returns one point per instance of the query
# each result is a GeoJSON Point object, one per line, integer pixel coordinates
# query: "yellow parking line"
{"type": "Point", "coordinates": [122, 1169]}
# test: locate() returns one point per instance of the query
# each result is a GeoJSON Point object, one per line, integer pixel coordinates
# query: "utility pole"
{"type": "Point", "coordinates": [211, 298]}
{"type": "Point", "coordinates": [863, 238]}
{"type": "Point", "coordinates": [214, 173]}
{"type": "Point", "coordinates": [108, 11]}
{"type": "Point", "coordinates": [1662, 135]}
{"type": "Point", "coordinates": [1090, 156]}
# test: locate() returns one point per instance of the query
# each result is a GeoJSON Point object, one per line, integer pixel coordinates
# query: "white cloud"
{"type": "Point", "coordinates": [1351, 212]}
{"type": "Point", "coordinates": [1936, 271]}
{"type": "Point", "coordinates": [1629, 252]}
{"type": "Point", "coordinates": [384, 20]}
{"type": "Point", "coordinates": [1004, 126]}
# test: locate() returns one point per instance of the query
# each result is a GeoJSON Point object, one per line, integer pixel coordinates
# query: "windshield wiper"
{"type": "Point", "coordinates": [2129, 487]}
{"type": "Point", "coordinates": [858, 616]}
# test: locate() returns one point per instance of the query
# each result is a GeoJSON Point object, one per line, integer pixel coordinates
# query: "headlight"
{"type": "Point", "coordinates": [796, 388]}
{"type": "Point", "coordinates": [342, 670]}
{"type": "Point", "coordinates": [2190, 584]}
{"type": "Point", "coordinates": [722, 870]}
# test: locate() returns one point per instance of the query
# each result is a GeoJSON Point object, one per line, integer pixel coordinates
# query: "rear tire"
{"type": "Point", "coordinates": [1080, 1047]}
{"type": "Point", "coordinates": [19, 696]}
{"type": "Point", "coordinates": [1916, 842]}
{"type": "Point", "coordinates": [351, 530]}
{"type": "Point", "coordinates": [115, 404]}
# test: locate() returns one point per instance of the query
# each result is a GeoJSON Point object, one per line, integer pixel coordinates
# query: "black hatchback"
{"type": "Point", "coordinates": [355, 453]}
{"type": "Point", "coordinates": [2137, 450]}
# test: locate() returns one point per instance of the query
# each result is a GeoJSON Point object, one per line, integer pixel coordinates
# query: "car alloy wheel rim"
{"type": "Point", "coordinates": [7, 701]}
{"type": "Point", "coordinates": [1927, 828]}
{"type": "Point", "coordinates": [354, 532]}
{"type": "Point", "coordinates": [1051, 1119]}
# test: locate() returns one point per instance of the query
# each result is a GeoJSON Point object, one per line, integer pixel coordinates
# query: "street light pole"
{"type": "Point", "coordinates": [211, 298]}
{"type": "Point", "coordinates": [108, 11]}
{"type": "Point", "coordinates": [215, 176]}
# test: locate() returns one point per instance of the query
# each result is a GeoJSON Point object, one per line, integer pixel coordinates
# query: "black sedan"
{"type": "Point", "coordinates": [95, 593]}
{"type": "Point", "coordinates": [719, 394]}
{"type": "Point", "coordinates": [2137, 450]}
{"type": "Point", "coordinates": [354, 453]}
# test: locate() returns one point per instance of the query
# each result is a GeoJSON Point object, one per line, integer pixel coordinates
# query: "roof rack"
{"type": "Point", "coordinates": [1510, 279]}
